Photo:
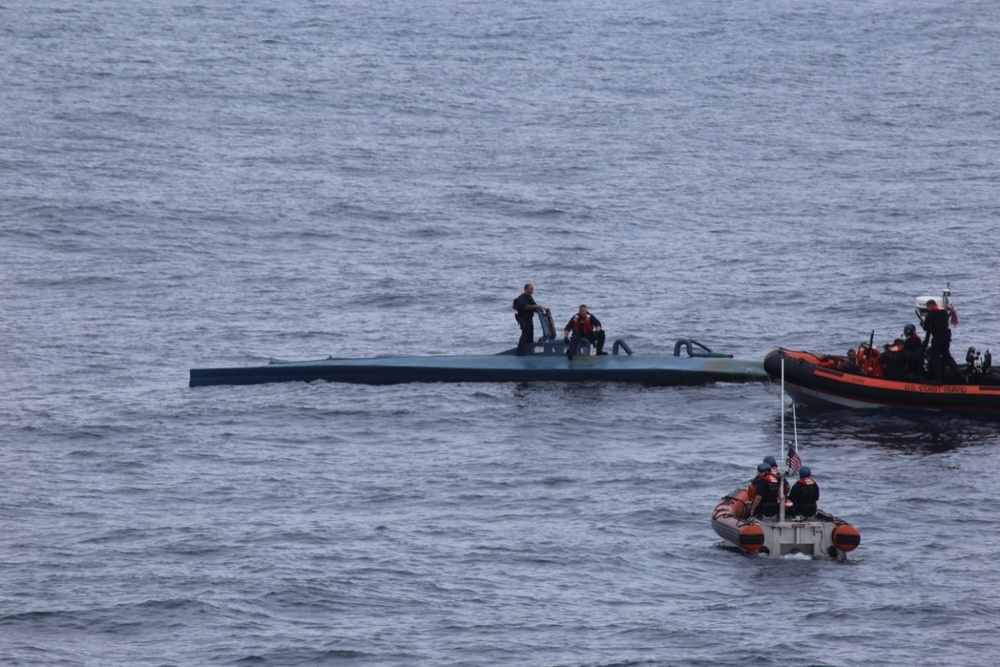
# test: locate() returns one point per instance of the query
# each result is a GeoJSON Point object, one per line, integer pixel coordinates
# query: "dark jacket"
{"type": "Point", "coordinates": [891, 360]}
{"type": "Point", "coordinates": [804, 496]}
{"type": "Point", "coordinates": [521, 307]}
{"type": "Point", "coordinates": [767, 490]}
{"type": "Point", "coordinates": [913, 354]}
{"type": "Point", "coordinates": [936, 323]}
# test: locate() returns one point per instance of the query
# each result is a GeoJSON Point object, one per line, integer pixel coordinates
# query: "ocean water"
{"type": "Point", "coordinates": [189, 184]}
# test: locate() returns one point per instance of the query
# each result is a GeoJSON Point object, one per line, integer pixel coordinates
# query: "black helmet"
{"type": "Point", "coordinates": [763, 467]}
{"type": "Point", "coordinates": [804, 471]}
{"type": "Point", "coordinates": [769, 460]}
{"type": "Point", "coordinates": [909, 328]}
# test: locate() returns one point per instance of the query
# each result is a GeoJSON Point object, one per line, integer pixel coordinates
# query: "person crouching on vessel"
{"type": "Point", "coordinates": [583, 326]}
{"type": "Point", "coordinates": [765, 502]}
{"type": "Point", "coordinates": [804, 494]}
{"type": "Point", "coordinates": [936, 326]}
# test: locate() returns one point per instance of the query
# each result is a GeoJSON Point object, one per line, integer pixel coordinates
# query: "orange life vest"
{"type": "Point", "coordinates": [871, 366]}
{"type": "Point", "coordinates": [583, 326]}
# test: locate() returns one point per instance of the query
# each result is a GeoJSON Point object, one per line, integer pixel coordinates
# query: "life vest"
{"type": "Point", "coordinates": [863, 350]}
{"type": "Point", "coordinates": [582, 326]}
{"type": "Point", "coordinates": [809, 490]}
{"type": "Point", "coordinates": [769, 501]}
{"type": "Point", "coordinates": [871, 366]}
{"type": "Point", "coordinates": [806, 496]}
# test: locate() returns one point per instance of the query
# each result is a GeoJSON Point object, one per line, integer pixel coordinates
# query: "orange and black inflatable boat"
{"type": "Point", "coordinates": [818, 536]}
{"type": "Point", "coordinates": [813, 379]}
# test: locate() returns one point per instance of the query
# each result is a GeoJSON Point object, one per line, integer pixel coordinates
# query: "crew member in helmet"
{"type": "Point", "coordinates": [765, 502]}
{"type": "Point", "coordinates": [913, 353]}
{"type": "Point", "coordinates": [584, 326]}
{"type": "Point", "coordinates": [752, 486]}
{"type": "Point", "coordinates": [776, 471]}
{"type": "Point", "coordinates": [804, 494]}
{"type": "Point", "coordinates": [772, 465]}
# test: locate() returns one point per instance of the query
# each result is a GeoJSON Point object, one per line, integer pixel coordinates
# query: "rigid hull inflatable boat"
{"type": "Point", "coordinates": [904, 374]}
{"type": "Point", "coordinates": [776, 528]}
{"type": "Point", "coordinates": [819, 535]}
{"type": "Point", "coordinates": [813, 379]}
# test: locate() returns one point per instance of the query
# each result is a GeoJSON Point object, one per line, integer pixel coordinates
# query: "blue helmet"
{"type": "Point", "coordinates": [804, 471]}
{"type": "Point", "coordinates": [769, 460]}
{"type": "Point", "coordinates": [909, 329]}
{"type": "Point", "coordinates": [763, 467]}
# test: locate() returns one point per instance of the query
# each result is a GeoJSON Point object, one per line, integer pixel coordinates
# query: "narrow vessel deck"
{"type": "Point", "coordinates": [548, 363]}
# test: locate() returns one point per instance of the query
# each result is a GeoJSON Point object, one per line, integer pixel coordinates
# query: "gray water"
{"type": "Point", "coordinates": [189, 185]}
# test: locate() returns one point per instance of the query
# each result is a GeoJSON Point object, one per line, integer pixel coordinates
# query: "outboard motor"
{"type": "Point", "coordinates": [944, 302]}
{"type": "Point", "coordinates": [921, 309]}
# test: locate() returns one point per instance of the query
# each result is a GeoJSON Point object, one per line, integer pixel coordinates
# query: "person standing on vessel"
{"type": "Point", "coordinates": [936, 326]}
{"type": "Point", "coordinates": [524, 311]}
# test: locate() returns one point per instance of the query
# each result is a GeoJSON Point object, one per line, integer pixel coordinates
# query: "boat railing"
{"type": "Point", "coordinates": [689, 344]}
{"type": "Point", "coordinates": [620, 343]}
{"type": "Point", "coordinates": [583, 347]}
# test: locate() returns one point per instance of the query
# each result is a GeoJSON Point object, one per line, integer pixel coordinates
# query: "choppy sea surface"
{"type": "Point", "coordinates": [188, 184]}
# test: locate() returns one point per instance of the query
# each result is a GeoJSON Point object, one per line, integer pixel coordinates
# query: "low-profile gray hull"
{"type": "Point", "coordinates": [504, 367]}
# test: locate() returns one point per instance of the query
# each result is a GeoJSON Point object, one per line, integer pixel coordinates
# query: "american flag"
{"type": "Point", "coordinates": [794, 462]}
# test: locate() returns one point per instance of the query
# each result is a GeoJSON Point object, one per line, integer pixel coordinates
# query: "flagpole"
{"type": "Point", "coordinates": [781, 452]}
{"type": "Point", "coordinates": [795, 429]}
{"type": "Point", "coordinates": [781, 482]}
